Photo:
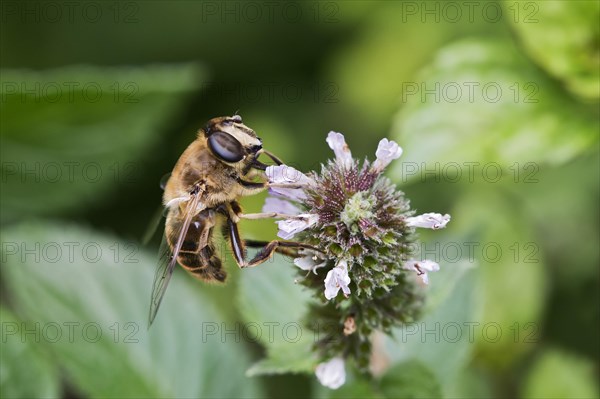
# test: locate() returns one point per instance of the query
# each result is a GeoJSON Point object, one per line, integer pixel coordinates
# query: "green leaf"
{"type": "Point", "coordinates": [482, 101]}
{"type": "Point", "coordinates": [22, 358]}
{"type": "Point", "coordinates": [557, 374]}
{"type": "Point", "coordinates": [452, 271]}
{"type": "Point", "coordinates": [270, 301]}
{"type": "Point", "coordinates": [562, 233]}
{"type": "Point", "coordinates": [441, 340]}
{"type": "Point", "coordinates": [357, 389]}
{"type": "Point", "coordinates": [77, 132]}
{"type": "Point", "coordinates": [96, 289]}
{"type": "Point", "coordinates": [471, 383]}
{"type": "Point", "coordinates": [562, 37]}
{"type": "Point", "coordinates": [386, 54]}
{"type": "Point", "coordinates": [287, 357]}
{"type": "Point", "coordinates": [375, 94]}
{"type": "Point", "coordinates": [411, 379]}
{"type": "Point", "coordinates": [512, 288]}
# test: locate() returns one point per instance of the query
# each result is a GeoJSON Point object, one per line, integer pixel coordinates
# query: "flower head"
{"type": "Point", "coordinates": [332, 373]}
{"type": "Point", "coordinates": [362, 230]}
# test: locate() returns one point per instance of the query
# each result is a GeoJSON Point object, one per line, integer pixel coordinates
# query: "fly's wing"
{"type": "Point", "coordinates": [168, 258]}
{"type": "Point", "coordinates": [157, 217]}
{"type": "Point", "coordinates": [164, 271]}
{"type": "Point", "coordinates": [156, 220]}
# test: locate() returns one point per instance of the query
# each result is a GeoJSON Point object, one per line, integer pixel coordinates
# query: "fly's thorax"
{"type": "Point", "coordinates": [224, 153]}
{"type": "Point", "coordinates": [197, 165]}
{"type": "Point", "coordinates": [191, 168]}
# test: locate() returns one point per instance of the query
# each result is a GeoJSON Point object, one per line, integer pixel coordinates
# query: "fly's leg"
{"type": "Point", "coordinates": [269, 215]}
{"type": "Point", "coordinates": [288, 248]}
{"type": "Point", "coordinates": [238, 246]}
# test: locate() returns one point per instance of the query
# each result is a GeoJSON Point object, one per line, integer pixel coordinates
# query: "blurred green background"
{"type": "Point", "coordinates": [494, 103]}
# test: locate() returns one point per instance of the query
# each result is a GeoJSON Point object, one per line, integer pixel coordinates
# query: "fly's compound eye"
{"type": "Point", "coordinates": [226, 147]}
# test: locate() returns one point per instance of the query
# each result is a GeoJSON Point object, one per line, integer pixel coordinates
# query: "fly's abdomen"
{"type": "Point", "coordinates": [204, 265]}
{"type": "Point", "coordinates": [197, 254]}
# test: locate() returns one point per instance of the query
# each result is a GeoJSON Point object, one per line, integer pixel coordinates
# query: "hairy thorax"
{"type": "Point", "coordinates": [217, 181]}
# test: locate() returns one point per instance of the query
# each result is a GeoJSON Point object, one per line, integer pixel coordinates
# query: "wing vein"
{"type": "Point", "coordinates": [168, 258]}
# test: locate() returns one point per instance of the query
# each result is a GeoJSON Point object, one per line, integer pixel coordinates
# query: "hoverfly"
{"type": "Point", "coordinates": [218, 168]}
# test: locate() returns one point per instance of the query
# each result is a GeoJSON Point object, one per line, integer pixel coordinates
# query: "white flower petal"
{"type": "Point", "coordinates": [283, 174]}
{"type": "Point", "coordinates": [433, 221]}
{"type": "Point", "coordinates": [286, 174]}
{"type": "Point", "coordinates": [278, 205]}
{"type": "Point", "coordinates": [290, 227]}
{"type": "Point", "coordinates": [386, 152]}
{"type": "Point", "coordinates": [309, 259]}
{"type": "Point", "coordinates": [337, 278]}
{"type": "Point", "coordinates": [310, 262]}
{"type": "Point", "coordinates": [294, 194]}
{"type": "Point", "coordinates": [421, 267]}
{"type": "Point", "coordinates": [332, 373]}
{"type": "Point", "coordinates": [305, 262]}
{"type": "Point", "coordinates": [429, 265]}
{"type": "Point", "coordinates": [338, 144]}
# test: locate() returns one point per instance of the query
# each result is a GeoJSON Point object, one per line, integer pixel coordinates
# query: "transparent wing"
{"type": "Point", "coordinates": [167, 258]}
{"type": "Point", "coordinates": [157, 217]}
{"type": "Point", "coordinates": [152, 228]}
{"type": "Point", "coordinates": [164, 271]}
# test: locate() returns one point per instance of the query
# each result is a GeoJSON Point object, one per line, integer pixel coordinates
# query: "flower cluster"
{"type": "Point", "coordinates": [363, 231]}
